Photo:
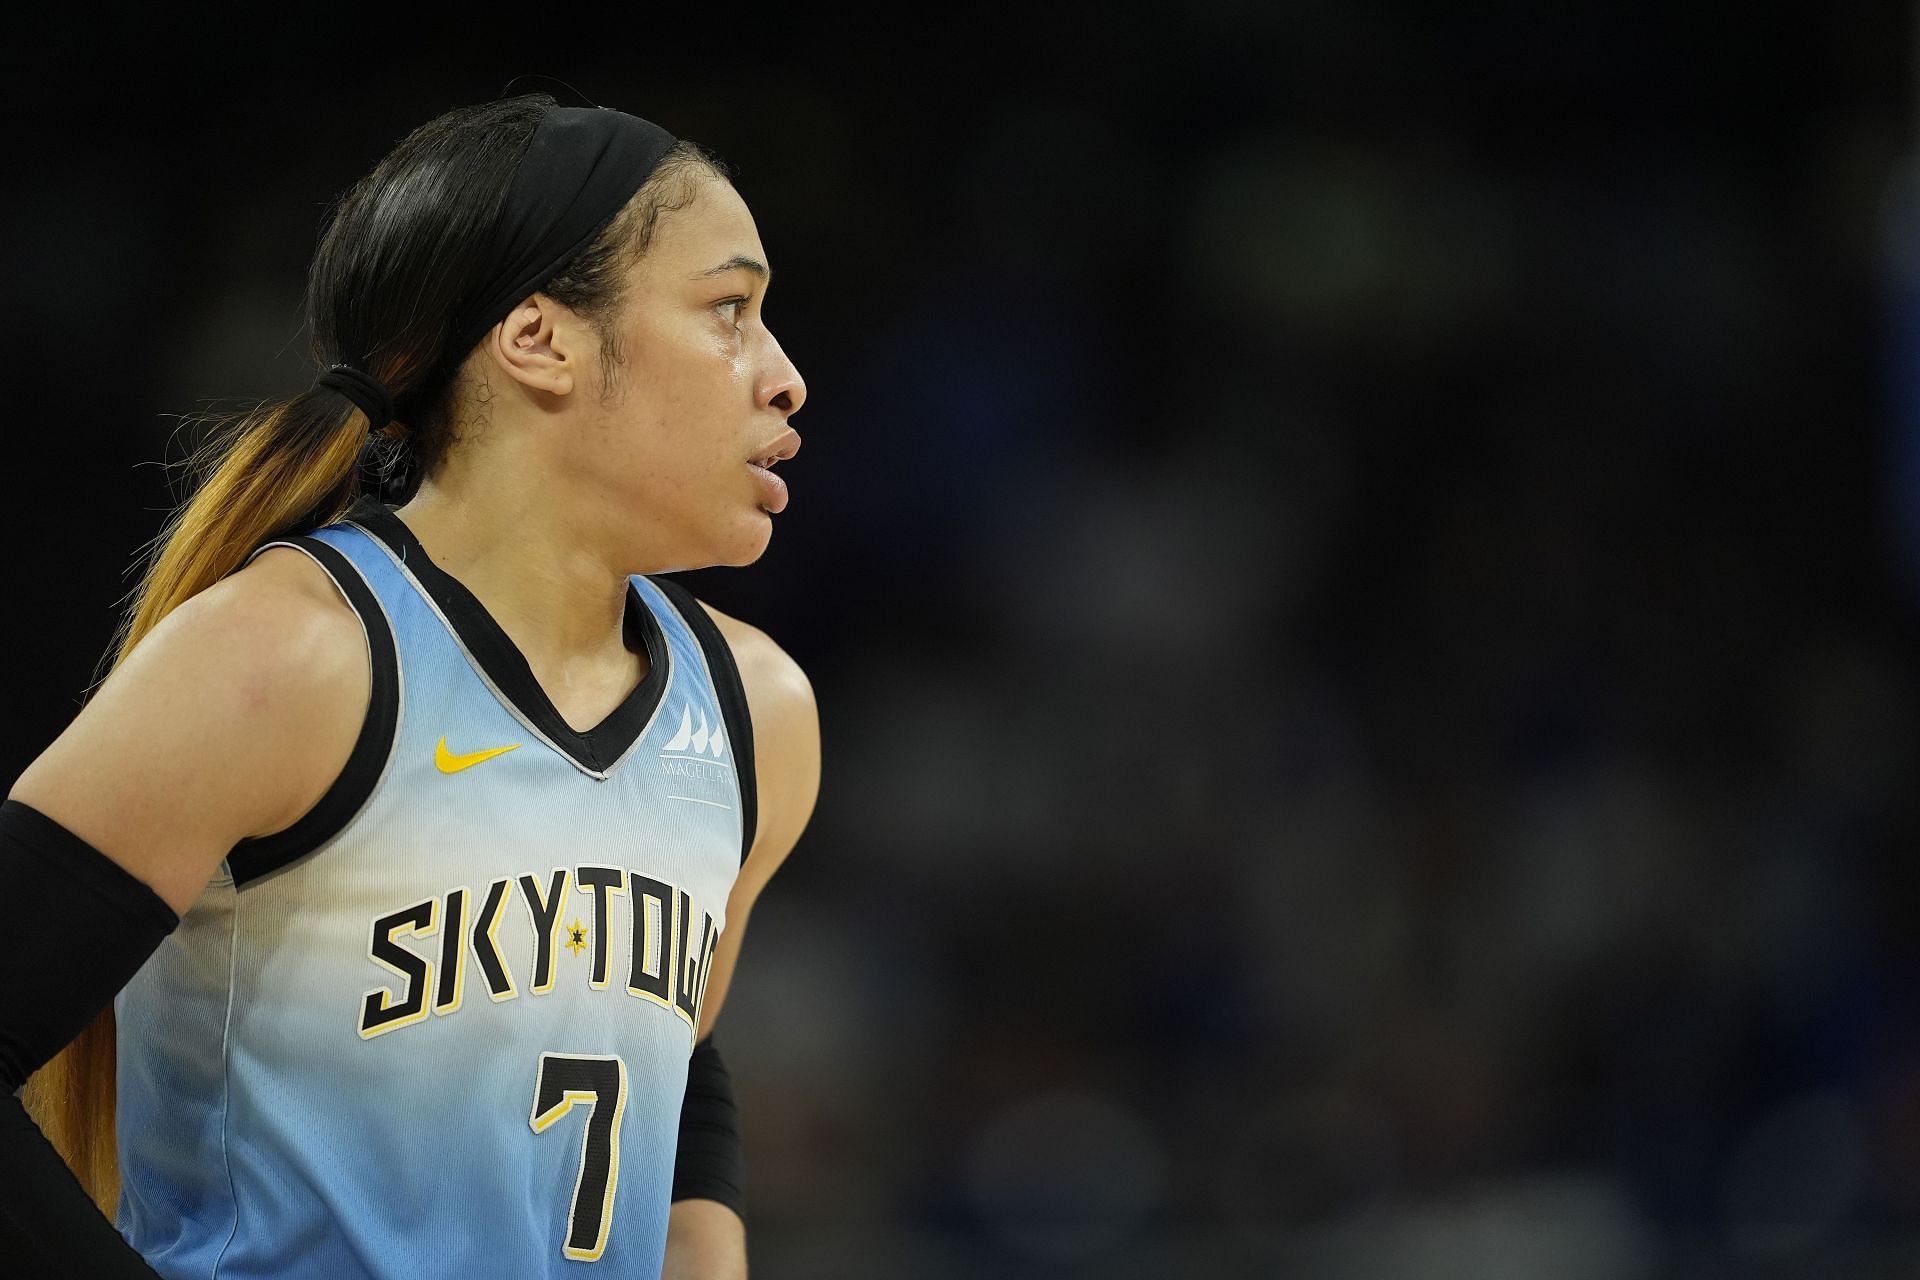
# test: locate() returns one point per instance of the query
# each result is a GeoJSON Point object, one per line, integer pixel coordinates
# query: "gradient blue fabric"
{"type": "Point", "coordinates": [453, 1040]}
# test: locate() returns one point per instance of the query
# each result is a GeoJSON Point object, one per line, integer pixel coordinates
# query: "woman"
{"type": "Point", "coordinates": [460, 813]}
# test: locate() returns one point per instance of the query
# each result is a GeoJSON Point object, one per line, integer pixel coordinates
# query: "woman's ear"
{"type": "Point", "coordinates": [533, 346]}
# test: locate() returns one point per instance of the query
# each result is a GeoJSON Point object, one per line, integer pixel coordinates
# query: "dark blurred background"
{"type": "Point", "coordinates": [1359, 561]}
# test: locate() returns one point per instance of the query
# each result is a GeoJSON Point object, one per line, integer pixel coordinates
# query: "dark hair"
{"type": "Point", "coordinates": [401, 250]}
{"type": "Point", "coordinates": [399, 254]}
{"type": "Point", "coordinates": [396, 256]}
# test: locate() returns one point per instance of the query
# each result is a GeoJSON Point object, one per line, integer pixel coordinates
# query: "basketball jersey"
{"type": "Point", "coordinates": [440, 1026]}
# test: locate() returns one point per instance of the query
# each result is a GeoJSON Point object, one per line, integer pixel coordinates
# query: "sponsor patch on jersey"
{"type": "Point", "coordinates": [696, 757]}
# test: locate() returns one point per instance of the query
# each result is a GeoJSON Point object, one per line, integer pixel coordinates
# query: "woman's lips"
{"type": "Point", "coordinates": [773, 490]}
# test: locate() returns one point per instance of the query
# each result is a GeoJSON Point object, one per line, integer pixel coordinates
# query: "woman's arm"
{"type": "Point", "coordinates": [706, 1240]}
{"type": "Point", "coordinates": [786, 764]}
{"type": "Point", "coordinates": [228, 720]}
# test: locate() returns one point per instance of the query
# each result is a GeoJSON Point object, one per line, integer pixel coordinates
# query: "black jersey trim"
{"type": "Point", "coordinates": [733, 700]}
{"type": "Point", "coordinates": [595, 751]}
{"type": "Point", "coordinates": [259, 856]}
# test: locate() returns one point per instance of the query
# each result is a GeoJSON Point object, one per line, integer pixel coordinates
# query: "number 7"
{"type": "Point", "coordinates": [599, 1081]}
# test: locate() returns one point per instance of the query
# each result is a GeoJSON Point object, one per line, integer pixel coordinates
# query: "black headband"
{"type": "Point", "coordinates": [581, 168]}
{"type": "Point", "coordinates": [363, 389]}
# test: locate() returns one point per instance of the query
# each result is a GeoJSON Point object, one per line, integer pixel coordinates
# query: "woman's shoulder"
{"type": "Point", "coordinates": [278, 628]}
{"type": "Point", "coordinates": [764, 666]}
{"type": "Point", "coordinates": [287, 578]}
{"type": "Point", "coordinates": [286, 640]}
{"type": "Point", "coordinates": [786, 739]}
{"type": "Point", "coordinates": [229, 719]}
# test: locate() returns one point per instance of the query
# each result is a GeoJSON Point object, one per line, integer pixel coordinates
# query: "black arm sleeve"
{"type": "Point", "coordinates": [59, 896]}
{"type": "Point", "coordinates": [708, 1163]}
{"type": "Point", "coordinates": [48, 1225]}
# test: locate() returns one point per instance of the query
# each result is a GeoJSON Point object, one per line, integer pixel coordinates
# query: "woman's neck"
{"type": "Point", "coordinates": [562, 605]}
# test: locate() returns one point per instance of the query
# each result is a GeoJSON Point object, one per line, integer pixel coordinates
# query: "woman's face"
{"type": "Point", "coordinates": [702, 394]}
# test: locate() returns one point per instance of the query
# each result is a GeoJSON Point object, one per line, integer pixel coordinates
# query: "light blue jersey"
{"type": "Point", "coordinates": [440, 1027]}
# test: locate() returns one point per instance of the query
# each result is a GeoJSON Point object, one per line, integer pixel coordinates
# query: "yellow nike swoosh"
{"type": "Point", "coordinates": [447, 762]}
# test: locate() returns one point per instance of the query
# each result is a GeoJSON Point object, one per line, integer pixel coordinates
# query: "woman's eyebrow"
{"type": "Point", "coordinates": [738, 260]}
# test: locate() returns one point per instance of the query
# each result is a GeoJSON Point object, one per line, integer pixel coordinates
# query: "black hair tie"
{"type": "Point", "coordinates": [363, 389]}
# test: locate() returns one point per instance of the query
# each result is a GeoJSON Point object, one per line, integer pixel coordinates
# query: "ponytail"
{"type": "Point", "coordinates": [288, 464]}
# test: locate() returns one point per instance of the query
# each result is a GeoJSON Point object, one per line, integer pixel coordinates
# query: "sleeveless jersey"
{"type": "Point", "coordinates": [440, 1026]}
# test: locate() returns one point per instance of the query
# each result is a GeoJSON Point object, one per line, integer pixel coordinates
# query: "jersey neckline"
{"type": "Point", "coordinates": [504, 668]}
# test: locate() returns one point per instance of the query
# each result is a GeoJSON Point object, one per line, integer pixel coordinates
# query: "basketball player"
{"type": "Point", "coordinates": [418, 843]}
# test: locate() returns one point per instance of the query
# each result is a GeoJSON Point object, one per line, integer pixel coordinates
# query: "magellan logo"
{"type": "Point", "coordinates": [706, 740]}
{"type": "Point", "coordinates": [693, 757]}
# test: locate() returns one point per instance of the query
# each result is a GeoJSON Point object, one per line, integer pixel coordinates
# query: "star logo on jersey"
{"type": "Point", "coordinates": [447, 762]}
{"type": "Point", "coordinates": [576, 937]}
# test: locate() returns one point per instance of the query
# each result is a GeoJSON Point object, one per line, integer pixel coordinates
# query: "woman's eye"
{"type": "Point", "coordinates": [736, 304]}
